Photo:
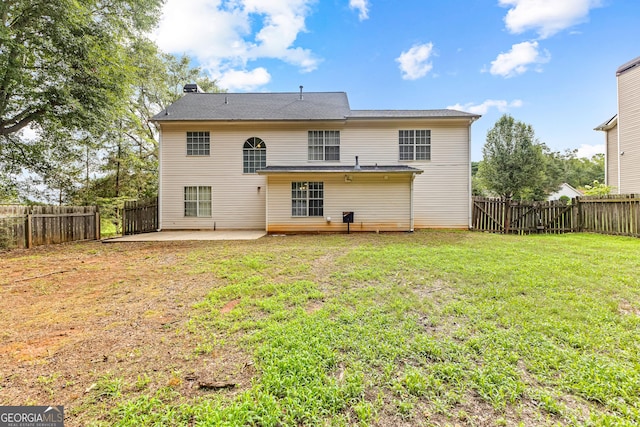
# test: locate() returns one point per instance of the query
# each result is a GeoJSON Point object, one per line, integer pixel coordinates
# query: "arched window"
{"type": "Point", "coordinates": [254, 155]}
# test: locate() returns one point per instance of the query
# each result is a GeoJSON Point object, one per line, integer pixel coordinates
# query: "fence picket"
{"type": "Point", "coordinates": [27, 226]}
{"type": "Point", "coordinates": [140, 216]}
{"type": "Point", "coordinates": [617, 214]}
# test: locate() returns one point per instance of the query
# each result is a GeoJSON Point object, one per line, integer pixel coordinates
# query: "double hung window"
{"type": "Point", "coordinates": [324, 145]}
{"type": "Point", "coordinates": [198, 144]}
{"type": "Point", "coordinates": [307, 199]}
{"type": "Point", "coordinates": [197, 201]}
{"type": "Point", "coordinates": [415, 144]}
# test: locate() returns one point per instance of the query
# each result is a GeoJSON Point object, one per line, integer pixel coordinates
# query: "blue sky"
{"type": "Point", "coordinates": [548, 63]}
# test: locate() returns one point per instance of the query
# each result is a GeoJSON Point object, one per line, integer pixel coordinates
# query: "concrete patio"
{"type": "Point", "coordinates": [166, 236]}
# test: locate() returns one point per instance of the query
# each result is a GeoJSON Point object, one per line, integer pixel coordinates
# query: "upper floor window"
{"type": "Point", "coordinates": [198, 143]}
{"type": "Point", "coordinates": [324, 145]}
{"type": "Point", "coordinates": [415, 144]}
{"type": "Point", "coordinates": [254, 155]}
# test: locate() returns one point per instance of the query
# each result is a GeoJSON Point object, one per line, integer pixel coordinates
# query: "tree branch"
{"type": "Point", "coordinates": [21, 123]}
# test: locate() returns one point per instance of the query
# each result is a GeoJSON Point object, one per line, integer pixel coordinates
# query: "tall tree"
{"type": "Point", "coordinates": [513, 163]}
{"type": "Point", "coordinates": [64, 63]}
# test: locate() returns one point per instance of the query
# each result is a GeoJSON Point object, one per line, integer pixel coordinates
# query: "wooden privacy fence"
{"type": "Point", "coordinates": [617, 214]}
{"type": "Point", "coordinates": [508, 216]}
{"type": "Point", "coordinates": [140, 216]}
{"type": "Point", "coordinates": [28, 226]}
{"type": "Point", "coordinates": [611, 214]}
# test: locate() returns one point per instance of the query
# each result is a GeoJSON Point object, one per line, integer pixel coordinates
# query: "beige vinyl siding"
{"type": "Point", "coordinates": [613, 154]}
{"type": "Point", "coordinates": [238, 200]}
{"type": "Point", "coordinates": [629, 130]}
{"type": "Point", "coordinates": [441, 193]}
{"type": "Point", "coordinates": [378, 204]}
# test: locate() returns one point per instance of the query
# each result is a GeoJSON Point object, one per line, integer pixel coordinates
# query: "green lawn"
{"type": "Point", "coordinates": [429, 328]}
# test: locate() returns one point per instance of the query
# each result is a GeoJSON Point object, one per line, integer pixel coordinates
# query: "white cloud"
{"type": "Point", "coordinates": [518, 59]}
{"type": "Point", "coordinates": [414, 63]}
{"type": "Point", "coordinates": [244, 80]}
{"type": "Point", "coordinates": [362, 6]}
{"type": "Point", "coordinates": [546, 17]}
{"type": "Point", "coordinates": [224, 35]}
{"type": "Point", "coordinates": [589, 151]}
{"type": "Point", "coordinates": [482, 109]}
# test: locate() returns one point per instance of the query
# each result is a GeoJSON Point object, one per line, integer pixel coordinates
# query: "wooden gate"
{"type": "Point", "coordinates": [140, 216]}
{"type": "Point", "coordinates": [507, 216]}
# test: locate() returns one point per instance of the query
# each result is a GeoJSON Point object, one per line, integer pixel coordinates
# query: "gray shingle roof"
{"type": "Point", "coordinates": [282, 107]}
{"type": "Point", "coordinates": [257, 106]}
{"type": "Point", "coordinates": [380, 114]}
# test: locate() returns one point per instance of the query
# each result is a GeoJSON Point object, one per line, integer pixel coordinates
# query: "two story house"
{"type": "Point", "coordinates": [306, 162]}
{"type": "Point", "coordinates": [622, 133]}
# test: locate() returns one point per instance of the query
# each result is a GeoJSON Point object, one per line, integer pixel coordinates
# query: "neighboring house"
{"type": "Point", "coordinates": [296, 162]}
{"type": "Point", "coordinates": [565, 190]}
{"type": "Point", "coordinates": [622, 155]}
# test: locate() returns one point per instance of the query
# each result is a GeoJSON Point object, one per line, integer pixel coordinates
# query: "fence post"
{"type": "Point", "coordinates": [507, 215]}
{"type": "Point", "coordinates": [97, 224]}
{"type": "Point", "coordinates": [28, 232]}
{"type": "Point", "coordinates": [578, 207]}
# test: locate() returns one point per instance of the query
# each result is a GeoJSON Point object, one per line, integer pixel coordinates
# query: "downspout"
{"type": "Point", "coordinates": [266, 204]}
{"type": "Point", "coordinates": [413, 176]}
{"type": "Point", "coordinates": [469, 186]}
{"type": "Point", "coordinates": [160, 180]}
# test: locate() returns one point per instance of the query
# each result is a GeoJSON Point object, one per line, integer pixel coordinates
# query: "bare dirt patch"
{"type": "Point", "coordinates": [73, 315]}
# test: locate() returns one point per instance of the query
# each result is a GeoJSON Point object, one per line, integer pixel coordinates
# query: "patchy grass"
{"type": "Point", "coordinates": [430, 328]}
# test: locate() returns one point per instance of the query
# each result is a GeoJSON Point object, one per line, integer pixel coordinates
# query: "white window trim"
{"type": "Point", "coordinates": [206, 134]}
{"type": "Point", "coordinates": [324, 146]}
{"type": "Point", "coordinates": [253, 151]}
{"type": "Point", "coordinates": [307, 199]}
{"type": "Point", "coordinates": [198, 201]}
{"type": "Point", "coordinates": [413, 145]}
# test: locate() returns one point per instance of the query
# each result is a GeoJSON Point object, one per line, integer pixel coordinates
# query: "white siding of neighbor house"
{"type": "Point", "coordinates": [441, 193]}
{"type": "Point", "coordinates": [629, 130]}
{"type": "Point", "coordinates": [612, 156]}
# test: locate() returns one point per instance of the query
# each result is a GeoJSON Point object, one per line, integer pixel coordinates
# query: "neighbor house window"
{"type": "Point", "coordinates": [198, 144]}
{"type": "Point", "coordinates": [324, 145]}
{"type": "Point", "coordinates": [197, 201]}
{"type": "Point", "coordinates": [254, 155]}
{"type": "Point", "coordinates": [415, 144]}
{"type": "Point", "coordinates": [307, 199]}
